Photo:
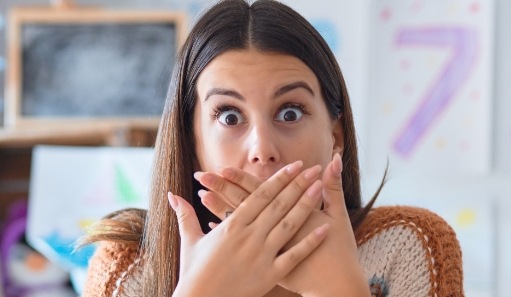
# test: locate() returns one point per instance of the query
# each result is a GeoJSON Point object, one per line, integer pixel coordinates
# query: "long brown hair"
{"type": "Point", "coordinates": [230, 24]}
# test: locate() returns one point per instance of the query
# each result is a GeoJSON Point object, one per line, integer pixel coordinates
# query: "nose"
{"type": "Point", "coordinates": [263, 147]}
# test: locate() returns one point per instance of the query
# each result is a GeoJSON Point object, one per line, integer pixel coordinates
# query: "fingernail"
{"type": "Point", "coordinates": [337, 165]}
{"type": "Point", "coordinates": [205, 178]}
{"type": "Point", "coordinates": [315, 189]}
{"type": "Point", "coordinates": [313, 172]}
{"type": "Point", "coordinates": [172, 200]}
{"type": "Point", "coordinates": [294, 167]}
{"type": "Point", "coordinates": [202, 193]}
{"type": "Point", "coordinates": [197, 175]}
{"type": "Point", "coordinates": [321, 230]}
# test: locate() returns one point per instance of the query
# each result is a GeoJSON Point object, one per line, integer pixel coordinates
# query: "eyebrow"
{"type": "Point", "coordinates": [281, 91]}
{"type": "Point", "coordinates": [296, 85]}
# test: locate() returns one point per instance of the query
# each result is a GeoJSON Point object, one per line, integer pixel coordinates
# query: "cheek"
{"type": "Point", "coordinates": [314, 148]}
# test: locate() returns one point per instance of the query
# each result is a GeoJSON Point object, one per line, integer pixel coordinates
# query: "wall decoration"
{"type": "Point", "coordinates": [430, 86]}
{"type": "Point", "coordinates": [89, 65]}
{"type": "Point", "coordinates": [73, 187]}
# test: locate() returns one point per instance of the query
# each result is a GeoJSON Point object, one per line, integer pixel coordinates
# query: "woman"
{"type": "Point", "coordinates": [258, 106]}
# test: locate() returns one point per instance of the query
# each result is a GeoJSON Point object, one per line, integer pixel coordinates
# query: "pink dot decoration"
{"type": "Point", "coordinates": [464, 146]}
{"type": "Point", "coordinates": [385, 14]}
{"type": "Point", "coordinates": [405, 64]}
{"type": "Point", "coordinates": [416, 6]}
{"type": "Point", "coordinates": [475, 95]}
{"type": "Point", "coordinates": [475, 7]}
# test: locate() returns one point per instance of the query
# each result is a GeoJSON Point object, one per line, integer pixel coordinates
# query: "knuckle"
{"type": "Point", "coordinates": [283, 179]}
{"type": "Point", "coordinates": [263, 194]}
{"type": "Point", "coordinates": [279, 205]}
{"type": "Point", "coordinates": [236, 177]}
{"type": "Point", "coordinates": [334, 186]}
{"type": "Point", "coordinates": [220, 185]}
{"type": "Point", "coordinates": [297, 187]}
{"type": "Point", "coordinates": [287, 225]}
{"type": "Point", "coordinates": [182, 217]}
{"type": "Point", "coordinates": [304, 206]}
{"type": "Point", "coordinates": [294, 257]}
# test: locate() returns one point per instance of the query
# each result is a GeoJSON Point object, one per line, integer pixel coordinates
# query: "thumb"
{"type": "Point", "coordinates": [189, 226]}
{"type": "Point", "coordinates": [333, 194]}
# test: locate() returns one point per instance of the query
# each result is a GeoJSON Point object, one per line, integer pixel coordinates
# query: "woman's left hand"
{"type": "Point", "coordinates": [331, 270]}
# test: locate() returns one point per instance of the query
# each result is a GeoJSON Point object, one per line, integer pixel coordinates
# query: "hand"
{"type": "Point", "coordinates": [243, 257]}
{"type": "Point", "coordinates": [332, 269]}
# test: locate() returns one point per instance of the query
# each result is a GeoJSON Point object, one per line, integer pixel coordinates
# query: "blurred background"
{"type": "Point", "coordinates": [428, 81]}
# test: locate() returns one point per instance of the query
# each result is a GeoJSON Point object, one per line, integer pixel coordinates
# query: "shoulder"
{"type": "Point", "coordinates": [115, 268]}
{"type": "Point", "coordinates": [410, 250]}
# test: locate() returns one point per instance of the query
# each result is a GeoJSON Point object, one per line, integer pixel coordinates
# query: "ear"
{"type": "Point", "coordinates": [337, 136]}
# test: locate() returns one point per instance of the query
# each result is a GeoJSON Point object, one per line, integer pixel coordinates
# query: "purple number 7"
{"type": "Point", "coordinates": [463, 44]}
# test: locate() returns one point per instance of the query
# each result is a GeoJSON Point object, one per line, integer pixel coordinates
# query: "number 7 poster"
{"type": "Point", "coordinates": [430, 86]}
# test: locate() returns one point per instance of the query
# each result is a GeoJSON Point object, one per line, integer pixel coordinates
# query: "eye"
{"type": "Point", "coordinates": [290, 114]}
{"type": "Point", "coordinates": [229, 116]}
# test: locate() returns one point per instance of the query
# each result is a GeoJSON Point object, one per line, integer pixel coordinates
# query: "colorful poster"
{"type": "Point", "coordinates": [73, 187]}
{"type": "Point", "coordinates": [430, 86]}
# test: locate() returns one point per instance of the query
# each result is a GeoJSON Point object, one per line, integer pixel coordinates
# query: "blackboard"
{"type": "Point", "coordinates": [96, 70]}
{"type": "Point", "coordinates": [69, 65]}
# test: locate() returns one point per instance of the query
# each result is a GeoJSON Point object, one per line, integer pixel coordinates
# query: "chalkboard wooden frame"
{"type": "Point", "coordinates": [19, 17]}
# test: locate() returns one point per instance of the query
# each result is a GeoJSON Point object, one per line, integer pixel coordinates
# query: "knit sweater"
{"type": "Point", "coordinates": [404, 251]}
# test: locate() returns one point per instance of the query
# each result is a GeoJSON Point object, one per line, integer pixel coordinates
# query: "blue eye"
{"type": "Point", "coordinates": [230, 117]}
{"type": "Point", "coordinates": [290, 114]}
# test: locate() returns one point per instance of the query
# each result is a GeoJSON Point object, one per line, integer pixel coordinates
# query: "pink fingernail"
{"type": "Point", "coordinates": [322, 230]}
{"type": "Point", "coordinates": [202, 193]}
{"type": "Point", "coordinates": [172, 200]}
{"type": "Point", "coordinates": [315, 189]}
{"type": "Point", "coordinates": [294, 167]}
{"type": "Point", "coordinates": [313, 172]}
{"type": "Point", "coordinates": [197, 175]}
{"type": "Point", "coordinates": [337, 165]}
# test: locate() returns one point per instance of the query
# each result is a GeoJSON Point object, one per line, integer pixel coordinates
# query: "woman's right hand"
{"type": "Point", "coordinates": [243, 255]}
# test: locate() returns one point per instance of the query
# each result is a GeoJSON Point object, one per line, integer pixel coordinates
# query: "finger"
{"type": "Point", "coordinates": [245, 180]}
{"type": "Point", "coordinates": [232, 194]}
{"type": "Point", "coordinates": [287, 199]}
{"type": "Point", "coordinates": [289, 259]}
{"type": "Point", "coordinates": [296, 217]}
{"type": "Point", "coordinates": [215, 204]}
{"type": "Point", "coordinates": [212, 225]}
{"type": "Point", "coordinates": [333, 194]}
{"type": "Point", "coordinates": [251, 208]}
{"type": "Point", "coordinates": [189, 226]}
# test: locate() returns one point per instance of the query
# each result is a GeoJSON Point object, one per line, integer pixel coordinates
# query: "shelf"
{"type": "Point", "coordinates": [111, 135]}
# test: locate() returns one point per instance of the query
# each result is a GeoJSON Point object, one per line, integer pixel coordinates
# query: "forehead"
{"type": "Point", "coordinates": [255, 68]}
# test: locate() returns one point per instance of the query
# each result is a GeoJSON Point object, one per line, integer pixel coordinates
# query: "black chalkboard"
{"type": "Point", "coordinates": [103, 69]}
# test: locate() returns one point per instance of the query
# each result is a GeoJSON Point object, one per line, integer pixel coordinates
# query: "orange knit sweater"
{"type": "Point", "coordinates": [404, 251]}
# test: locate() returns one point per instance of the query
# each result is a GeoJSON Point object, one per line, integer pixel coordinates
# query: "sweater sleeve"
{"type": "Point", "coordinates": [109, 269]}
{"type": "Point", "coordinates": [407, 251]}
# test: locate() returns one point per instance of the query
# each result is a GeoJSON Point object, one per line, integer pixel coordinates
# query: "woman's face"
{"type": "Point", "coordinates": [260, 111]}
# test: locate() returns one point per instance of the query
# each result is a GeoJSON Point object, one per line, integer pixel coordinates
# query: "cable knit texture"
{"type": "Point", "coordinates": [404, 251]}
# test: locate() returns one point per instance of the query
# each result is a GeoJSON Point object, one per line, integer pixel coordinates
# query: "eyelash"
{"type": "Point", "coordinates": [221, 108]}
{"type": "Point", "coordinates": [300, 106]}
